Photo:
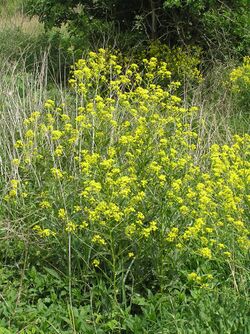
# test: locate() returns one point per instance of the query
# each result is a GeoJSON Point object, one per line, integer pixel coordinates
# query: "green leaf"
{"type": "Point", "coordinates": [53, 273]}
{"type": "Point", "coordinates": [4, 331]}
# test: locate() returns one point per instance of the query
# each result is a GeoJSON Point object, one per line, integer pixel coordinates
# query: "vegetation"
{"type": "Point", "coordinates": [125, 177]}
{"type": "Point", "coordinates": [206, 23]}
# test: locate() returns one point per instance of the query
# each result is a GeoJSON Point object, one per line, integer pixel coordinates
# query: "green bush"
{"type": "Point", "coordinates": [219, 27]}
{"type": "Point", "coordinates": [240, 85]}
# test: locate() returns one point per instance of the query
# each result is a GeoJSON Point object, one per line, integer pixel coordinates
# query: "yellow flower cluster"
{"type": "Point", "coordinates": [122, 163]}
{"type": "Point", "coordinates": [240, 84]}
{"type": "Point", "coordinates": [43, 233]}
{"type": "Point", "coordinates": [183, 62]}
{"type": "Point", "coordinates": [12, 193]}
{"type": "Point", "coordinates": [240, 76]}
{"type": "Point", "coordinates": [203, 281]}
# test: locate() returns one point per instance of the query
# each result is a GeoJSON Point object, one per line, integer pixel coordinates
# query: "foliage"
{"type": "Point", "coordinates": [9, 8]}
{"type": "Point", "coordinates": [240, 79]}
{"type": "Point", "coordinates": [185, 63]}
{"type": "Point", "coordinates": [42, 308]}
{"type": "Point", "coordinates": [219, 26]}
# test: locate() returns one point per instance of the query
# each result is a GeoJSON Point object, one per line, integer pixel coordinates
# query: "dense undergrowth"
{"type": "Point", "coordinates": [124, 189]}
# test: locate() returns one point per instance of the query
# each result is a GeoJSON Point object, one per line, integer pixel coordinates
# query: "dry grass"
{"type": "Point", "coordinates": [18, 19]}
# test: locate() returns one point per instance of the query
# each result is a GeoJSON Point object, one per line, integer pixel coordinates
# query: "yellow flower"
{"type": "Point", "coordinates": [130, 230]}
{"type": "Point", "coordinates": [13, 193]}
{"type": "Point", "coordinates": [77, 208]}
{"type": "Point", "coordinates": [49, 104]}
{"type": "Point", "coordinates": [84, 225]}
{"type": "Point", "coordinates": [43, 233]}
{"type": "Point", "coordinates": [57, 173]}
{"type": "Point", "coordinates": [59, 151]}
{"type": "Point", "coordinates": [172, 235]}
{"type": "Point", "coordinates": [18, 144]}
{"type": "Point", "coordinates": [205, 252]}
{"type": "Point", "coordinates": [65, 117]}
{"type": "Point", "coordinates": [97, 239]}
{"type": "Point", "coordinates": [29, 134]}
{"type": "Point", "coordinates": [14, 183]}
{"type": "Point", "coordinates": [56, 134]}
{"type": "Point", "coordinates": [45, 205]}
{"type": "Point", "coordinates": [228, 254]}
{"type": "Point", "coordinates": [184, 209]}
{"type": "Point", "coordinates": [96, 263]}
{"type": "Point", "coordinates": [70, 227]}
{"type": "Point", "coordinates": [192, 276]}
{"type": "Point", "coordinates": [62, 214]}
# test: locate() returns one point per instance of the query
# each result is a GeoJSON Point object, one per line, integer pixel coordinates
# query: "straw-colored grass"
{"type": "Point", "coordinates": [12, 16]}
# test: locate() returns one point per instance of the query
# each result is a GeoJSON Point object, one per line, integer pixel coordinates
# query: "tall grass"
{"type": "Point", "coordinates": [13, 16]}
